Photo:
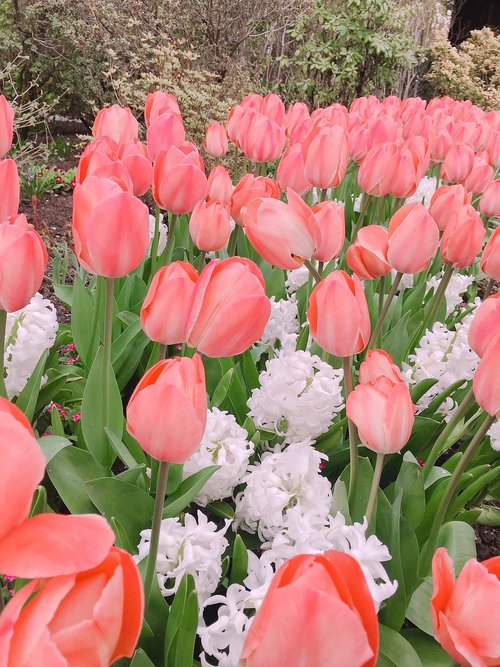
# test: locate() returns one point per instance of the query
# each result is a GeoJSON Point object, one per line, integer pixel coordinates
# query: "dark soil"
{"type": "Point", "coordinates": [487, 541]}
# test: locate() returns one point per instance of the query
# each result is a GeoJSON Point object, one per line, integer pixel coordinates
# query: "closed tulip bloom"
{"type": "Point", "coordinates": [164, 132]}
{"type": "Point", "coordinates": [457, 163]}
{"type": "Point", "coordinates": [220, 185]}
{"type": "Point", "coordinates": [326, 154]}
{"type": "Point", "coordinates": [110, 228]}
{"type": "Point", "coordinates": [248, 189]}
{"type": "Point", "coordinates": [494, 149]}
{"type": "Point", "coordinates": [116, 122]}
{"type": "Point", "coordinates": [116, 171]}
{"type": "Point", "coordinates": [412, 161]}
{"type": "Point", "coordinates": [261, 139]}
{"type": "Point", "coordinates": [23, 260]}
{"type": "Point", "coordinates": [480, 176]}
{"type": "Point", "coordinates": [44, 545]}
{"type": "Point", "coordinates": [167, 412]}
{"type": "Point", "coordinates": [97, 154]}
{"type": "Point", "coordinates": [210, 225]}
{"type": "Point", "coordinates": [296, 114]}
{"type": "Point", "coordinates": [440, 142]}
{"type": "Point", "coordinates": [466, 610]}
{"type": "Point", "coordinates": [93, 617]}
{"type": "Point", "coordinates": [463, 238]}
{"type": "Point", "coordinates": [158, 104]}
{"type": "Point", "coordinates": [283, 234]}
{"type": "Point", "coordinates": [383, 413]}
{"type": "Point", "coordinates": [229, 309]}
{"type": "Point", "coordinates": [272, 106]}
{"type": "Point", "coordinates": [379, 363]}
{"type": "Point", "coordinates": [445, 201]}
{"type": "Point", "coordinates": [485, 325]}
{"type": "Point", "coordinates": [215, 142]}
{"type": "Point", "coordinates": [490, 259]}
{"type": "Point", "coordinates": [179, 182]}
{"type": "Point", "coordinates": [413, 238]}
{"type": "Point", "coordinates": [329, 302]}
{"type": "Point", "coordinates": [367, 256]}
{"type": "Point", "coordinates": [486, 381]}
{"type": "Point", "coordinates": [10, 188]}
{"type": "Point", "coordinates": [290, 172]}
{"type": "Point", "coordinates": [6, 126]}
{"type": "Point", "coordinates": [135, 157]}
{"type": "Point", "coordinates": [318, 609]}
{"type": "Point", "coordinates": [489, 204]}
{"type": "Point", "coordinates": [370, 133]}
{"type": "Point", "coordinates": [378, 169]}
{"type": "Point", "coordinates": [331, 225]}
{"type": "Point", "coordinates": [166, 306]}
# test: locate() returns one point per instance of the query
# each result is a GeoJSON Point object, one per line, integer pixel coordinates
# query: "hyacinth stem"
{"type": "Point", "coordinates": [169, 248]}
{"type": "Point", "coordinates": [378, 326]}
{"type": "Point", "coordinates": [462, 466]}
{"type": "Point", "coordinates": [108, 337]}
{"type": "Point", "coordinates": [377, 474]}
{"type": "Point", "coordinates": [233, 241]}
{"type": "Point", "coordinates": [161, 488]}
{"type": "Point", "coordinates": [365, 203]}
{"type": "Point", "coordinates": [353, 445]}
{"type": "Point", "coordinates": [155, 242]}
{"type": "Point", "coordinates": [437, 447]}
{"type": "Point", "coordinates": [313, 271]}
{"type": "Point", "coordinates": [3, 324]}
{"type": "Point", "coordinates": [434, 303]}
{"type": "Point", "coordinates": [201, 261]}
{"type": "Point", "coordinates": [489, 287]}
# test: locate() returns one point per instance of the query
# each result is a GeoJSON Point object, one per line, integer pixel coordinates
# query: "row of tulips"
{"type": "Point", "coordinates": [85, 603]}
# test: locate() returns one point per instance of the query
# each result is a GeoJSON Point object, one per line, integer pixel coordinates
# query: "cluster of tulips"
{"type": "Point", "coordinates": [289, 170]}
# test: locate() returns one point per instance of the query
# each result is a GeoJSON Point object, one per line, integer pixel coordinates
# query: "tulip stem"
{"type": "Point", "coordinates": [155, 242]}
{"type": "Point", "coordinates": [353, 445]}
{"type": "Point", "coordinates": [313, 271]}
{"type": "Point", "coordinates": [489, 287]}
{"type": "Point", "coordinates": [378, 327]}
{"type": "Point", "coordinates": [3, 324]}
{"type": "Point", "coordinates": [233, 241]}
{"type": "Point", "coordinates": [161, 488]}
{"type": "Point", "coordinates": [169, 248]}
{"type": "Point", "coordinates": [201, 261]}
{"type": "Point", "coordinates": [450, 492]}
{"type": "Point", "coordinates": [323, 194]}
{"type": "Point", "coordinates": [365, 203]}
{"type": "Point", "coordinates": [433, 305]}
{"type": "Point", "coordinates": [107, 343]}
{"type": "Point", "coordinates": [162, 351]}
{"type": "Point", "coordinates": [372, 500]}
{"type": "Point", "coordinates": [442, 439]}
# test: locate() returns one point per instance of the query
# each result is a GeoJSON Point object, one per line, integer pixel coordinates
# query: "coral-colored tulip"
{"type": "Point", "coordinates": [220, 185]}
{"type": "Point", "coordinates": [367, 256]}
{"type": "Point", "coordinates": [486, 381]}
{"type": "Point", "coordinates": [370, 133]}
{"type": "Point", "coordinates": [261, 139]}
{"type": "Point", "coordinates": [9, 188]}
{"type": "Point", "coordinates": [379, 363]}
{"type": "Point", "coordinates": [116, 171]}
{"type": "Point", "coordinates": [463, 237]}
{"type": "Point", "coordinates": [445, 201]}
{"type": "Point", "coordinates": [215, 142]}
{"type": "Point", "coordinates": [165, 131]}
{"type": "Point", "coordinates": [23, 260]}
{"type": "Point", "coordinates": [317, 609]}
{"type": "Point", "coordinates": [6, 126]}
{"type": "Point", "coordinates": [44, 545]}
{"type": "Point", "coordinates": [295, 116]}
{"type": "Point", "coordinates": [179, 182]}
{"type": "Point", "coordinates": [110, 228]}
{"type": "Point", "coordinates": [412, 161]}
{"type": "Point", "coordinates": [229, 310]}
{"type": "Point", "coordinates": [330, 300]}
{"type": "Point", "coordinates": [480, 176]}
{"type": "Point", "coordinates": [290, 172]}
{"type": "Point", "coordinates": [96, 154]}
{"type": "Point", "coordinates": [167, 412]}
{"type": "Point", "coordinates": [93, 617]}
{"type": "Point", "coordinates": [490, 259]}
{"type": "Point", "coordinates": [378, 169]}
{"type": "Point", "coordinates": [326, 154]}
{"type": "Point", "coordinates": [489, 204]}
{"type": "Point", "coordinates": [283, 234]}
{"type": "Point", "coordinates": [466, 611]}
{"type": "Point", "coordinates": [494, 149]}
{"type": "Point", "coordinates": [210, 225]}
{"type": "Point", "coordinates": [166, 306]}
{"type": "Point", "coordinates": [411, 222]}
{"type": "Point", "coordinates": [116, 122]}
{"type": "Point", "coordinates": [485, 325]}
{"type": "Point", "coordinates": [272, 106]}
{"type": "Point", "coordinates": [440, 142]}
{"type": "Point", "coordinates": [248, 189]}
{"type": "Point", "coordinates": [383, 413]}
{"type": "Point", "coordinates": [136, 159]}
{"type": "Point", "coordinates": [331, 225]}
{"type": "Point", "coordinates": [457, 163]}
{"type": "Point", "coordinates": [158, 104]}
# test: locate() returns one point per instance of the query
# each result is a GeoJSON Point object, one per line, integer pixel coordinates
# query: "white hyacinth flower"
{"type": "Point", "coordinates": [494, 434]}
{"type": "Point", "coordinates": [296, 278]}
{"type": "Point", "coordinates": [458, 285]}
{"type": "Point", "coordinates": [425, 189]}
{"type": "Point", "coordinates": [162, 241]}
{"type": "Point", "coordinates": [283, 322]}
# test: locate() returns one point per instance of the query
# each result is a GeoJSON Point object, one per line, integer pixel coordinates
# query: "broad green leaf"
{"type": "Point", "coordinates": [239, 561]}
{"type": "Point", "coordinates": [140, 659]}
{"type": "Point", "coordinates": [222, 389]}
{"type": "Point", "coordinates": [395, 651]}
{"type": "Point", "coordinates": [28, 397]}
{"type": "Point", "coordinates": [419, 608]}
{"type": "Point", "coordinates": [182, 624]}
{"type": "Point", "coordinates": [155, 622]}
{"type": "Point", "coordinates": [429, 651]}
{"type": "Point", "coordinates": [411, 482]}
{"type": "Point", "coordinates": [121, 450]}
{"type": "Point", "coordinates": [39, 503]}
{"type": "Point", "coordinates": [187, 491]}
{"type": "Point", "coordinates": [84, 323]}
{"type": "Point", "coordinates": [221, 508]}
{"type": "Point", "coordinates": [51, 445]}
{"type": "Point", "coordinates": [365, 476]}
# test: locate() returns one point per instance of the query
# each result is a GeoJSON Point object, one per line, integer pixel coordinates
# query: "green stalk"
{"type": "Point", "coordinates": [323, 194]}
{"type": "Point", "coordinates": [313, 271]}
{"type": "Point", "coordinates": [201, 261]}
{"type": "Point", "coordinates": [161, 488]}
{"type": "Point", "coordinates": [108, 336]}
{"type": "Point", "coordinates": [379, 464]}
{"type": "Point", "coordinates": [3, 323]}
{"type": "Point", "coordinates": [155, 242]}
{"type": "Point", "coordinates": [365, 203]}
{"type": "Point", "coordinates": [233, 241]}
{"type": "Point", "coordinates": [162, 351]}
{"type": "Point", "coordinates": [381, 297]}
{"type": "Point", "coordinates": [353, 445]}
{"type": "Point", "coordinates": [491, 284]}
{"type": "Point", "coordinates": [166, 257]}
{"type": "Point", "coordinates": [383, 312]}
{"type": "Point", "coordinates": [433, 304]}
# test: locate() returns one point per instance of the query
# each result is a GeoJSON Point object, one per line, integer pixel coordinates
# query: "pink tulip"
{"type": "Point", "coordinates": [9, 188]}
{"type": "Point", "coordinates": [465, 611]}
{"type": "Point", "coordinates": [295, 116]}
{"type": "Point", "coordinates": [116, 171]}
{"type": "Point", "coordinates": [116, 122]}
{"type": "Point", "coordinates": [367, 256]}
{"type": "Point", "coordinates": [440, 142]}
{"type": "Point", "coordinates": [463, 238]}
{"type": "Point", "coordinates": [261, 139]}
{"type": "Point", "coordinates": [480, 176]}
{"type": "Point", "coordinates": [490, 259]}
{"type": "Point", "coordinates": [92, 617]}
{"type": "Point", "coordinates": [378, 169]}
{"type": "Point", "coordinates": [489, 204]}
{"type": "Point", "coordinates": [229, 308]}
{"type": "Point", "coordinates": [494, 149]}
{"type": "Point", "coordinates": [215, 142]}
{"type": "Point", "coordinates": [135, 157]}
{"type": "Point", "coordinates": [179, 180]}
{"type": "Point", "coordinates": [283, 234]}
{"type": "Point", "coordinates": [290, 172]}
{"type": "Point", "coordinates": [318, 608]}
{"type": "Point", "coordinates": [485, 325]}
{"type": "Point", "coordinates": [377, 364]}
{"type": "Point", "coordinates": [167, 412]}
{"type": "Point", "coordinates": [334, 296]}
{"type": "Point", "coordinates": [370, 133]}
{"type": "Point", "coordinates": [158, 104]}
{"type": "Point", "coordinates": [166, 306]}
{"type": "Point", "coordinates": [326, 154]}
{"type": "Point", "coordinates": [98, 153]}
{"type": "Point", "coordinates": [486, 381]}
{"type": "Point", "coordinates": [110, 228]}
{"type": "Point", "coordinates": [457, 163]}
{"type": "Point", "coordinates": [331, 225]}
{"type": "Point", "coordinates": [210, 225]}
{"type": "Point", "coordinates": [408, 223]}
{"type": "Point", "coordinates": [6, 126]}
{"type": "Point", "coordinates": [250, 188]}
{"type": "Point", "coordinates": [220, 185]}
{"type": "Point", "coordinates": [164, 131]}
{"type": "Point", "coordinates": [445, 201]}
{"type": "Point", "coordinates": [412, 162]}
{"type": "Point", "coordinates": [23, 260]}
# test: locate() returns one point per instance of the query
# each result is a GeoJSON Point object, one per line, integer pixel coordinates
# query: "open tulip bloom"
{"type": "Point", "coordinates": [266, 430]}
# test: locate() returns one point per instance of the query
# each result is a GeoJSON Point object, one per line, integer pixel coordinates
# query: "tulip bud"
{"type": "Point", "coordinates": [490, 259]}
{"type": "Point", "coordinates": [485, 325]}
{"type": "Point", "coordinates": [250, 188]}
{"type": "Point", "coordinates": [9, 188]}
{"type": "Point", "coordinates": [117, 123]}
{"type": "Point", "coordinates": [159, 104]}
{"type": "Point", "coordinates": [457, 163]}
{"type": "Point", "coordinates": [290, 172]}
{"type": "Point", "coordinates": [179, 180]}
{"type": "Point", "coordinates": [494, 149]}
{"type": "Point", "coordinates": [6, 126]}
{"type": "Point", "coordinates": [215, 142]}
{"type": "Point", "coordinates": [445, 201]}
{"type": "Point", "coordinates": [463, 238]}
{"type": "Point", "coordinates": [135, 158]}
{"type": "Point", "coordinates": [480, 176]}
{"type": "Point", "coordinates": [326, 154]}
{"type": "Point", "coordinates": [210, 226]}
{"type": "Point", "coordinates": [331, 225]}
{"type": "Point", "coordinates": [378, 170]}
{"type": "Point", "coordinates": [367, 256]}
{"type": "Point", "coordinates": [220, 185]}
{"type": "Point", "coordinates": [489, 204]}
{"type": "Point", "coordinates": [379, 363]}
{"type": "Point", "coordinates": [408, 223]}
{"type": "Point", "coordinates": [261, 139]}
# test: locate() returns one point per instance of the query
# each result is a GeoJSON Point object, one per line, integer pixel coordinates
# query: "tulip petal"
{"type": "Point", "coordinates": [9, 617]}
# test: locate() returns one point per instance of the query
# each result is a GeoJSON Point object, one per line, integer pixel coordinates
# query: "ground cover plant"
{"type": "Point", "coordinates": [248, 413]}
